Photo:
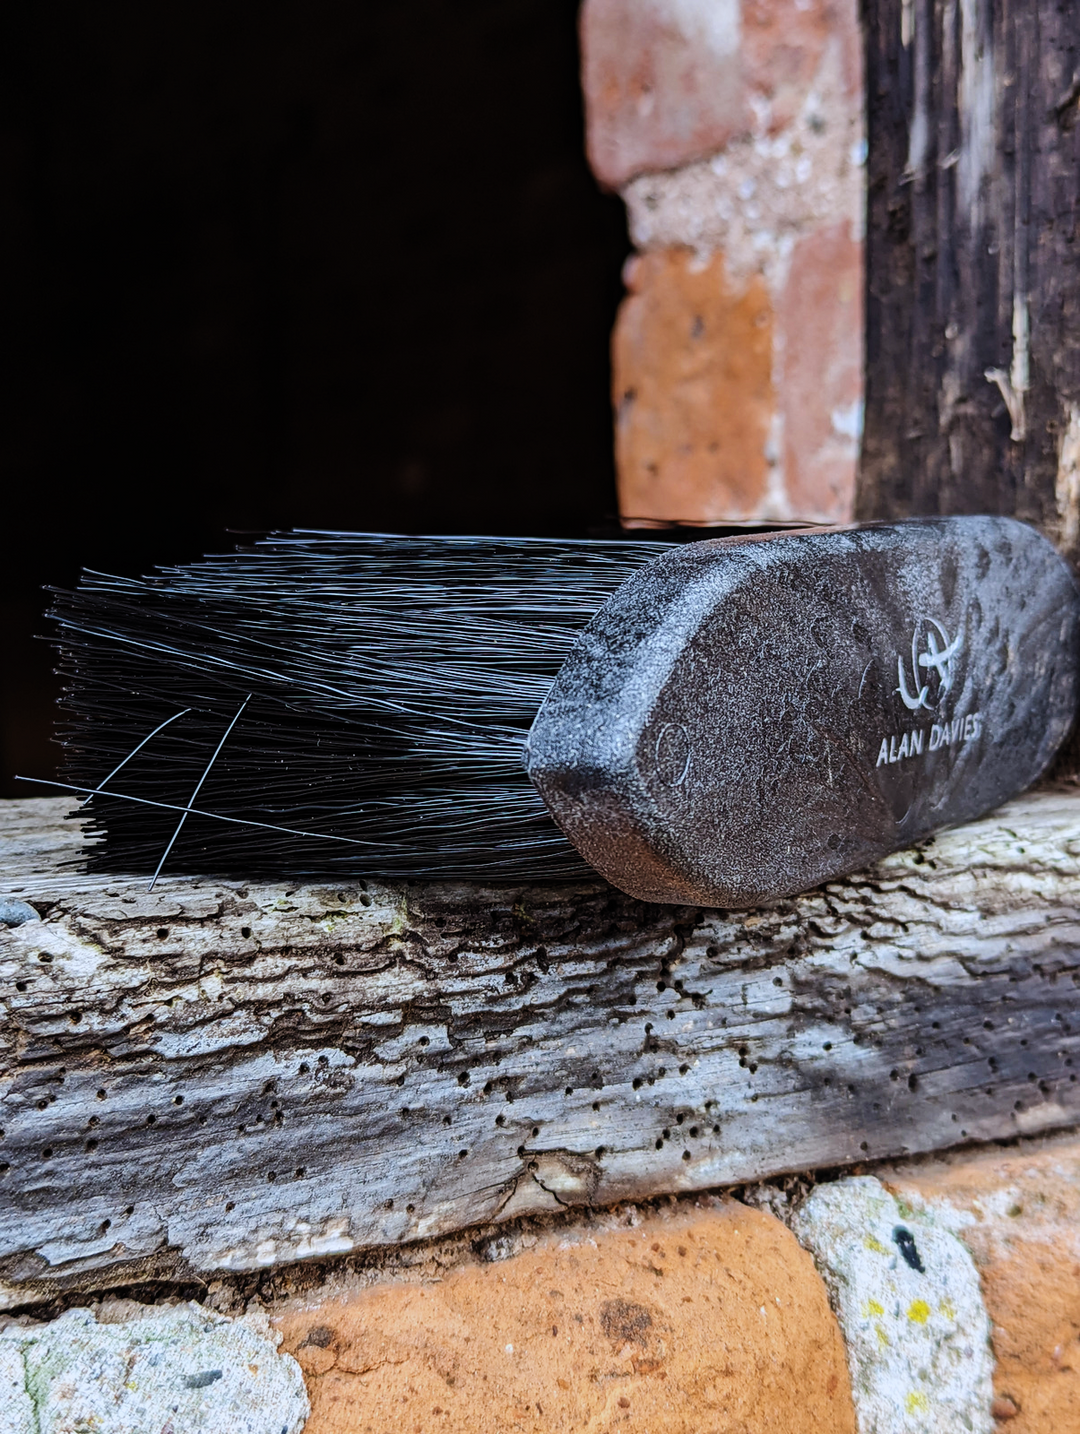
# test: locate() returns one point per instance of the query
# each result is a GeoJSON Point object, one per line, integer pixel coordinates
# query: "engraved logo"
{"type": "Point", "coordinates": [931, 675]}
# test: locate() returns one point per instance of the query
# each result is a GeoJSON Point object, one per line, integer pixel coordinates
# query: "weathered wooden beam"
{"type": "Point", "coordinates": [973, 270]}
{"type": "Point", "coordinates": [226, 1076]}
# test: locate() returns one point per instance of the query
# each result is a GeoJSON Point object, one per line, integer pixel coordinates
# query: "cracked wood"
{"type": "Point", "coordinates": [220, 1076]}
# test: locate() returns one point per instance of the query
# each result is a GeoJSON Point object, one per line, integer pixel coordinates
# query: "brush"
{"type": "Point", "coordinates": [721, 722]}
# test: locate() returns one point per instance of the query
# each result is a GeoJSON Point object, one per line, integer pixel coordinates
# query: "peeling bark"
{"type": "Point", "coordinates": [220, 1076]}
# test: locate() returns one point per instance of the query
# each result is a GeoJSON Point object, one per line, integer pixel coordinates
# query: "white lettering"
{"type": "Point", "coordinates": [942, 734]}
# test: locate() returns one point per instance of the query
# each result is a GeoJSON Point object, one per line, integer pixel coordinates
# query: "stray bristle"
{"type": "Point", "coordinates": [379, 689]}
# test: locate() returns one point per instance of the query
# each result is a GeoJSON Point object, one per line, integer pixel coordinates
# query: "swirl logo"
{"type": "Point", "coordinates": [932, 671]}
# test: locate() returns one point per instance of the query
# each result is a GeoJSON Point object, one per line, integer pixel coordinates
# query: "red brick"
{"type": "Point", "coordinates": [782, 47]}
{"type": "Point", "coordinates": [662, 83]}
{"type": "Point", "coordinates": [820, 314]}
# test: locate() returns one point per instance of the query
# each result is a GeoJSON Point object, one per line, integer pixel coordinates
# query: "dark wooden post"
{"type": "Point", "coordinates": [973, 315]}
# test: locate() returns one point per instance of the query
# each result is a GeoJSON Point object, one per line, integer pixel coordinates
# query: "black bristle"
{"type": "Point", "coordinates": [389, 684]}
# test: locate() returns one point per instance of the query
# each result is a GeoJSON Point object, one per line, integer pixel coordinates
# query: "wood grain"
{"type": "Point", "coordinates": [220, 1076]}
{"type": "Point", "coordinates": [973, 270]}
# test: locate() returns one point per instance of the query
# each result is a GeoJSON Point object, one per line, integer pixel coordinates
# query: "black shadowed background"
{"type": "Point", "coordinates": [289, 264]}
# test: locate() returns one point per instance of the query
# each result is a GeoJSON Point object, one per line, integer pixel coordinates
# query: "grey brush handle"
{"type": "Point", "coordinates": [747, 718]}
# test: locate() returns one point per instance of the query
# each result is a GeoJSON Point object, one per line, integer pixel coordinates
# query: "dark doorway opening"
{"type": "Point", "coordinates": [290, 264]}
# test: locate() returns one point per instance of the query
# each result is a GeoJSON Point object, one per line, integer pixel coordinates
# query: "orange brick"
{"type": "Point", "coordinates": [706, 1321]}
{"type": "Point", "coordinates": [693, 393]}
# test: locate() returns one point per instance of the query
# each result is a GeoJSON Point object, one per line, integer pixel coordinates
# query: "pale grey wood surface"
{"type": "Point", "coordinates": [221, 1076]}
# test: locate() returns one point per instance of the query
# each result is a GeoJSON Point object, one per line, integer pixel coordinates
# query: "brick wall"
{"type": "Point", "coordinates": [952, 1281]}
{"type": "Point", "coordinates": [934, 1296]}
{"type": "Point", "coordinates": [733, 129]}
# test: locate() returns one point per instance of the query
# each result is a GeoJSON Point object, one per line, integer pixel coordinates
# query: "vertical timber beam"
{"type": "Point", "coordinates": [973, 269]}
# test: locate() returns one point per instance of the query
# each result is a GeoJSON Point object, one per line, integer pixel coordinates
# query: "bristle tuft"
{"type": "Point", "coordinates": [389, 685]}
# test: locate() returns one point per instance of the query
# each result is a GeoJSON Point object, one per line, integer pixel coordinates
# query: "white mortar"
{"type": "Point", "coordinates": [918, 1342]}
{"type": "Point", "coordinates": [180, 1368]}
